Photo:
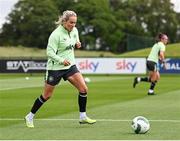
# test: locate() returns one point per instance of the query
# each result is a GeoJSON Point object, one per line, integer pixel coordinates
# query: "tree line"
{"type": "Point", "coordinates": [102, 24]}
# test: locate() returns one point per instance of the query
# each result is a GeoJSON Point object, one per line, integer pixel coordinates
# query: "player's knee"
{"type": "Point", "coordinates": [153, 78]}
{"type": "Point", "coordinates": [47, 96]}
{"type": "Point", "coordinates": [158, 77]}
{"type": "Point", "coordinates": [84, 90]}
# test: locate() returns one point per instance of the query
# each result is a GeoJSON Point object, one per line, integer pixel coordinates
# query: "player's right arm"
{"type": "Point", "coordinates": [52, 49]}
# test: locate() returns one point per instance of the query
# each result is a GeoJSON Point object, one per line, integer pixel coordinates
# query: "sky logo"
{"type": "Point", "coordinates": [124, 65]}
{"type": "Point", "coordinates": [88, 65]}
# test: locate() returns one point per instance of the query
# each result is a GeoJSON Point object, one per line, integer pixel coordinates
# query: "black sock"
{"type": "Point", "coordinates": [146, 79]}
{"type": "Point", "coordinates": [37, 104]}
{"type": "Point", "coordinates": [82, 100]}
{"type": "Point", "coordinates": [153, 84]}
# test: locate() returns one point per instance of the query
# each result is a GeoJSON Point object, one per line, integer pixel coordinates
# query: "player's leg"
{"type": "Point", "coordinates": [50, 83]}
{"type": "Point", "coordinates": [157, 76]}
{"type": "Point", "coordinates": [154, 79]}
{"type": "Point", "coordinates": [48, 91]}
{"type": "Point", "coordinates": [151, 66]}
{"type": "Point", "coordinates": [140, 79]}
{"type": "Point", "coordinates": [77, 80]}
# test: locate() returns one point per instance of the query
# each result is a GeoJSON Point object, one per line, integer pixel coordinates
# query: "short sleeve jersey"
{"type": "Point", "coordinates": [61, 46]}
{"type": "Point", "coordinates": [154, 54]}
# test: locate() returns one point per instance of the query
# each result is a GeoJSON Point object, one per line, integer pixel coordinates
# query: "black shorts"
{"type": "Point", "coordinates": [53, 77]}
{"type": "Point", "coordinates": [151, 66]}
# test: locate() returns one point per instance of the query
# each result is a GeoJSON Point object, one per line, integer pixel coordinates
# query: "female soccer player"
{"type": "Point", "coordinates": [61, 64]}
{"type": "Point", "coordinates": [156, 54]}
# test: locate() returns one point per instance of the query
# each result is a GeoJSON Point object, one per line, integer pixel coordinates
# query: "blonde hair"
{"type": "Point", "coordinates": [65, 17]}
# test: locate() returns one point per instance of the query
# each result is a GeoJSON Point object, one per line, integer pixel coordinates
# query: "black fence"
{"type": "Point", "coordinates": [135, 42]}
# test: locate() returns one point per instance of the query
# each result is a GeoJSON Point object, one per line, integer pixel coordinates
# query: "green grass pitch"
{"type": "Point", "coordinates": [111, 100]}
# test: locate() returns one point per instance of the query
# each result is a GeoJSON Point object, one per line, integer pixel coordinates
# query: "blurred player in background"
{"type": "Point", "coordinates": [156, 55]}
{"type": "Point", "coordinates": [61, 64]}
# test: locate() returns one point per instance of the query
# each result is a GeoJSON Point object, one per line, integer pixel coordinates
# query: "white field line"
{"type": "Point", "coordinates": [106, 120]}
{"type": "Point", "coordinates": [21, 83]}
{"type": "Point", "coordinates": [20, 87]}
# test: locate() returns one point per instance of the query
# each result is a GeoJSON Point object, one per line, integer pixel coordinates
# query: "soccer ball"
{"type": "Point", "coordinates": [27, 78]}
{"type": "Point", "coordinates": [87, 80]}
{"type": "Point", "coordinates": [140, 125]}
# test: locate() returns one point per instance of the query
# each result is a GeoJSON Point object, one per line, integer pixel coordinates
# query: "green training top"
{"type": "Point", "coordinates": [61, 46]}
{"type": "Point", "coordinates": [154, 54]}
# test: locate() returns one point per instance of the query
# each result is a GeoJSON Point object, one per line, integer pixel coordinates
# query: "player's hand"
{"type": "Point", "coordinates": [164, 66]}
{"type": "Point", "coordinates": [161, 61]}
{"type": "Point", "coordinates": [66, 63]}
{"type": "Point", "coordinates": [78, 45]}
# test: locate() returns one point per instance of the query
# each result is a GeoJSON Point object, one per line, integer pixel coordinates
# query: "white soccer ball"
{"type": "Point", "coordinates": [27, 78]}
{"type": "Point", "coordinates": [87, 80]}
{"type": "Point", "coordinates": [140, 125]}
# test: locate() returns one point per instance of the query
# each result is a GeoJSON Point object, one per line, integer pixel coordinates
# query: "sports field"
{"type": "Point", "coordinates": [111, 100]}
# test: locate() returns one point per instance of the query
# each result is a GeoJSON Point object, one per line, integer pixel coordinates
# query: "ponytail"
{"type": "Point", "coordinates": [160, 36]}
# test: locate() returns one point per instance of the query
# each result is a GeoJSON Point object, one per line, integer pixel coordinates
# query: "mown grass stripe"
{"type": "Point", "coordinates": [106, 120]}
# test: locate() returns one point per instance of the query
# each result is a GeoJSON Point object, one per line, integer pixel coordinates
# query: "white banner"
{"type": "Point", "coordinates": [111, 65]}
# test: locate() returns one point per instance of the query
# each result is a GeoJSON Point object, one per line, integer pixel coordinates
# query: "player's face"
{"type": "Point", "coordinates": [164, 39]}
{"type": "Point", "coordinates": [70, 23]}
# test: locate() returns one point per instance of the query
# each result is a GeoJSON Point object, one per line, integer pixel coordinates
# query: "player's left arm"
{"type": "Point", "coordinates": [162, 59]}
{"type": "Point", "coordinates": [161, 56]}
{"type": "Point", "coordinates": [78, 43]}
